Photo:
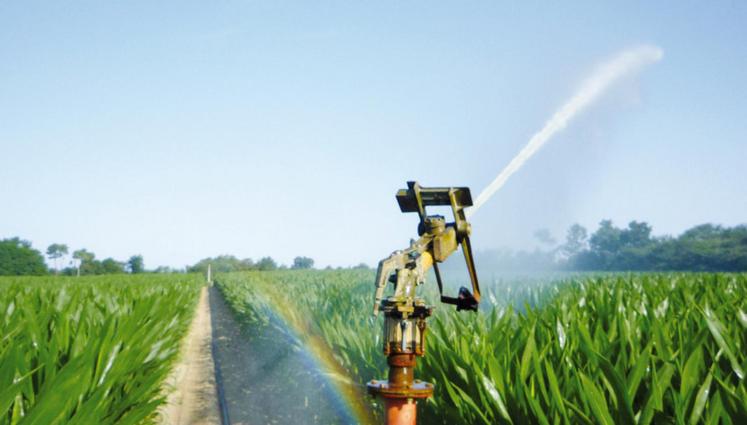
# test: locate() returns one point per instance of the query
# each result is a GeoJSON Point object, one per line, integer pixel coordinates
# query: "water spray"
{"type": "Point", "coordinates": [405, 314]}
{"type": "Point", "coordinates": [625, 63]}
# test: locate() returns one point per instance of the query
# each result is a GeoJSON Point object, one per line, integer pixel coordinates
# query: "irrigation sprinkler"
{"type": "Point", "coordinates": [405, 314]}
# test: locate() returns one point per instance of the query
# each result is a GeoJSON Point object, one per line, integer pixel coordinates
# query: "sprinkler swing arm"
{"type": "Point", "coordinates": [438, 240]}
{"type": "Point", "coordinates": [405, 313]}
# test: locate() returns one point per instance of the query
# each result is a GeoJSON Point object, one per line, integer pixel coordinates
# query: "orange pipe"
{"type": "Point", "coordinates": [401, 391]}
{"type": "Point", "coordinates": [401, 411]}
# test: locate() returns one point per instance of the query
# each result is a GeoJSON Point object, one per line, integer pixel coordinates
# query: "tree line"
{"type": "Point", "coordinates": [18, 257]}
{"type": "Point", "coordinates": [706, 247]}
{"type": "Point", "coordinates": [229, 263]}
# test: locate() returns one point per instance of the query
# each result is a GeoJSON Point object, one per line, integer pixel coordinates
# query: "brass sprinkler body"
{"type": "Point", "coordinates": [404, 341]}
{"type": "Point", "coordinates": [405, 314]}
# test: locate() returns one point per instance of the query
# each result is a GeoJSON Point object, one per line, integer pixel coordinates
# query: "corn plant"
{"type": "Point", "coordinates": [89, 350]}
{"type": "Point", "coordinates": [633, 349]}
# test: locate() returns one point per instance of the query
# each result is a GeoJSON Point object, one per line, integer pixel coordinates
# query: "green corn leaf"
{"type": "Point", "coordinates": [717, 330]}
{"type": "Point", "coordinates": [526, 357]}
{"type": "Point", "coordinates": [596, 401]}
{"type": "Point", "coordinates": [625, 406]}
{"type": "Point", "coordinates": [691, 372]}
{"type": "Point", "coordinates": [639, 370]}
{"type": "Point", "coordinates": [496, 396]}
{"type": "Point", "coordinates": [700, 400]}
{"type": "Point", "coordinates": [580, 416]}
{"type": "Point", "coordinates": [559, 400]}
{"type": "Point", "coordinates": [734, 403]}
{"type": "Point", "coordinates": [660, 382]}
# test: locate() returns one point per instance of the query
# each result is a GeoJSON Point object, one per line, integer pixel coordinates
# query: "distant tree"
{"type": "Point", "coordinates": [545, 237]}
{"type": "Point", "coordinates": [702, 233]}
{"type": "Point", "coordinates": [606, 238]}
{"type": "Point", "coordinates": [604, 244]}
{"type": "Point", "coordinates": [247, 264]}
{"type": "Point", "coordinates": [83, 255]}
{"type": "Point", "coordinates": [164, 269]}
{"type": "Point", "coordinates": [222, 264]}
{"type": "Point", "coordinates": [713, 247]}
{"type": "Point", "coordinates": [55, 252]}
{"type": "Point", "coordinates": [302, 263]}
{"type": "Point", "coordinates": [17, 257]}
{"type": "Point", "coordinates": [136, 264]}
{"type": "Point", "coordinates": [266, 263]}
{"type": "Point", "coordinates": [361, 266]}
{"type": "Point", "coordinates": [84, 262]}
{"type": "Point", "coordinates": [111, 266]}
{"type": "Point", "coordinates": [637, 234]}
{"type": "Point", "coordinates": [575, 241]}
{"type": "Point", "coordinates": [706, 247]}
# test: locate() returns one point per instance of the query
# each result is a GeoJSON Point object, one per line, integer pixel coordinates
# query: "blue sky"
{"type": "Point", "coordinates": [180, 130]}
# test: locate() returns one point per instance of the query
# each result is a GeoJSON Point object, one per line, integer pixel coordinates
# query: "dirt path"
{"type": "Point", "coordinates": [266, 377]}
{"type": "Point", "coordinates": [194, 398]}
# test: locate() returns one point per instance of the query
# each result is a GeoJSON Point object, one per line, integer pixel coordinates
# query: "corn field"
{"type": "Point", "coordinates": [614, 349]}
{"type": "Point", "coordinates": [89, 350]}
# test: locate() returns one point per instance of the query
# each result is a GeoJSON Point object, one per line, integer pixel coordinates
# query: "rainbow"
{"type": "Point", "coordinates": [351, 397]}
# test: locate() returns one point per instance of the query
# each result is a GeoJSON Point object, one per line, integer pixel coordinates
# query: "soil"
{"type": "Point", "coordinates": [192, 397]}
{"type": "Point", "coordinates": [264, 374]}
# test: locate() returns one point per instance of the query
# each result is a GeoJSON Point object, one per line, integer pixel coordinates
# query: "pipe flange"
{"type": "Point", "coordinates": [418, 389]}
